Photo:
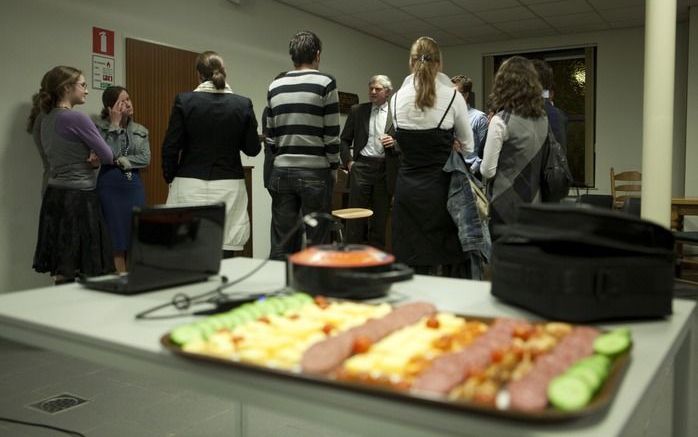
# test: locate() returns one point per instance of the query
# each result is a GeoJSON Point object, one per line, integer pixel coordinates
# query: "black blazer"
{"type": "Point", "coordinates": [206, 133]}
{"type": "Point", "coordinates": [355, 133]}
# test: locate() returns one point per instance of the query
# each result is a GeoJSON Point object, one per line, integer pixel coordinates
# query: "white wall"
{"type": "Point", "coordinates": [253, 38]}
{"type": "Point", "coordinates": [619, 83]}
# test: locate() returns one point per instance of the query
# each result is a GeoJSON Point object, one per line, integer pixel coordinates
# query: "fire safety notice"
{"type": "Point", "coordinates": [102, 58]}
{"type": "Point", "coordinates": [102, 72]}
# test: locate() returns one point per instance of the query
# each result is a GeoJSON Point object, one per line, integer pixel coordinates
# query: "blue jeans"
{"type": "Point", "coordinates": [296, 192]}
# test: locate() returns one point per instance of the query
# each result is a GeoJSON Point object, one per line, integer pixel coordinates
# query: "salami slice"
{"type": "Point", "coordinates": [326, 355]}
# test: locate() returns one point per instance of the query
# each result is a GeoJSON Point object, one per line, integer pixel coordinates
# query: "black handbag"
{"type": "Point", "coordinates": [556, 178]}
{"type": "Point", "coordinates": [581, 264]}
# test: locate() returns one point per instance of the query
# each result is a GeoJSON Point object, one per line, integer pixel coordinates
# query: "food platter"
{"type": "Point", "coordinates": [410, 393]}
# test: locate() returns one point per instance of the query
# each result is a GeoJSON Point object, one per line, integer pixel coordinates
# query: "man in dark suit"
{"type": "Point", "coordinates": [556, 117]}
{"type": "Point", "coordinates": [370, 154]}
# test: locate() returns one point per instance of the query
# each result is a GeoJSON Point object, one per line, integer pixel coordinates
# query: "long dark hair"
{"type": "Point", "coordinates": [425, 59]}
{"type": "Point", "coordinates": [109, 98]}
{"type": "Point", "coordinates": [516, 89]}
{"type": "Point", "coordinates": [209, 64]}
{"type": "Point", "coordinates": [54, 85]}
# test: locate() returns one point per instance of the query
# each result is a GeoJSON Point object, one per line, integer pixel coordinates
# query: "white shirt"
{"type": "Point", "coordinates": [497, 134]}
{"type": "Point", "coordinates": [408, 116]}
{"type": "Point", "coordinates": [376, 127]}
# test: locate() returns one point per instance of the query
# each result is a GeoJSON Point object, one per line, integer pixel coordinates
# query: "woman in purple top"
{"type": "Point", "coordinates": [72, 238]}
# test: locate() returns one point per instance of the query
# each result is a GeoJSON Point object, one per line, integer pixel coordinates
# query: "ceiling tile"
{"type": "Point", "coordinates": [426, 10]}
{"type": "Point", "coordinates": [575, 19]}
{"type": "Point", "coordinates": [320, 9]}
{"type": "Point", "coordinates": [485, 5]}
{"type": "Point", "coordinates": [455, 21]}
{"type": "Point", "coordinates": [533, 33]}
{"type": "Point", "coordinates": [621, 24]}
{"type": "Point", "coordinates": [620, 14]}
{"type": "Point", "coordinates": [356, 21]}
{"type": "Point", "coordinates": [579, 28]}
{"type": "Point", "coordinates": [413, 25]}
{"type": "Point", "coordinates": [477, 32]}
{"type": "Point", "coordinates": [296, 2]}
{"type": "Point", "coordinates": [502, 15]}
{"type": "Point", "coordinates": [386, 15]}
{"type": "Point", "coordinates": [534, 2]}
{"type": "Point", "coordinates": [353, 6]}
{"type": "Point", "coordinates": [615, 4]}
{"type": "Point", "coordinates": [521, 25]}
{"type": "Point", "coordinates": [493, 38]}
{"type": "Point", "coordinates": [400, 3]}
{"type": "Point", "coordinates": [561, 8]}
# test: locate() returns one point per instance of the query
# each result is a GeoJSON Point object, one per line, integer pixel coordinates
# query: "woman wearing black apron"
{"type": "Point", "coordinates": [430, 119]}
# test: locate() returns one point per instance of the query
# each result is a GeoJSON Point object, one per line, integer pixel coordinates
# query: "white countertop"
{"type": "Point", "coordinates": [101, 327]}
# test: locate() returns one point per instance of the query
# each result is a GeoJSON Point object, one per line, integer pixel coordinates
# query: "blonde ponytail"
{"type": "Point", "coordinates": [425, 60]}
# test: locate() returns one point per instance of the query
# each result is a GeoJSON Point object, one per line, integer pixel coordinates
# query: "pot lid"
{"type": "Point", "coordinates": [352, 255]}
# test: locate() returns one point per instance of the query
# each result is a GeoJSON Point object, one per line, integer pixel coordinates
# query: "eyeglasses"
{"type": "Point", "coordinates": [82, 85]}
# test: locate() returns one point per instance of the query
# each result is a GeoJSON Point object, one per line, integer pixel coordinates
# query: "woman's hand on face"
{"type": "Point", "coordinates": [117, 113]}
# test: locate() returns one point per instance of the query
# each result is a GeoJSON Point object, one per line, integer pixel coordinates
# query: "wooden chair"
{"type": "Point", "coordinates": [686, 265]}
{"type": "Point", "coordinates": [625, 185]}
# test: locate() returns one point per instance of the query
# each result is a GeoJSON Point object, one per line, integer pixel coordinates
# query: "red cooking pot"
{"type": "Point", "coordinates": [353, 271]}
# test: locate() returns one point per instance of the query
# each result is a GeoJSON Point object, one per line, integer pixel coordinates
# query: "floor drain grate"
{"type": "Point", "coordinates": [56, 404]}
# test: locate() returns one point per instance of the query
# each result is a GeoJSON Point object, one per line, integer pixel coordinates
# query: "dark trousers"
{"type": "Point", "coordinates": [296, 192]}
{"type": "Point", "coordinates": [369, 189]}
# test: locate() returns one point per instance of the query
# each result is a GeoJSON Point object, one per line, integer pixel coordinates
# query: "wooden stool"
{"type": "Point", "coordinates": [349, 214]}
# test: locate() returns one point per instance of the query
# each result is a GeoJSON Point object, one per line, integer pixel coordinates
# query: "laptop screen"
{"type": "Point", "coordinates": [178, 240]}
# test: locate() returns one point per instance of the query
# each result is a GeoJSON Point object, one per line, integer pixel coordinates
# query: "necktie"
{"type": "Point", "coordinates": [376, 132]}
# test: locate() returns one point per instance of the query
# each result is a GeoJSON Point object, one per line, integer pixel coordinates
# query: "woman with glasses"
{"type": "Point", "coordinates": [72, 238]}
{"type": "Point", "coordinates": [119, 185]}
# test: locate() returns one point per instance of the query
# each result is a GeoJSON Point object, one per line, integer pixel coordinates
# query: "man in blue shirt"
{"type": "Point", "coordinates": [478, 121]}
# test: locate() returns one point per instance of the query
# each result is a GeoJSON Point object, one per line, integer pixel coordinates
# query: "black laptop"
{"type": "Point", "coordinates": [170, 246]}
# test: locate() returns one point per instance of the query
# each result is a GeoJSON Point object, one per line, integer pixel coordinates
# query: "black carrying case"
{"type": "Point", "coordinates": [579, 264]}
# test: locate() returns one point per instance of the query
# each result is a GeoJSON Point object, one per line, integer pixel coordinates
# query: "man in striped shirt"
{"type": "Point", "coordinates": [303, 126]}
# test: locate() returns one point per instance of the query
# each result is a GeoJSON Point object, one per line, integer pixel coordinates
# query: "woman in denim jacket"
{"type": "Point", "coordinates": [119, 184]}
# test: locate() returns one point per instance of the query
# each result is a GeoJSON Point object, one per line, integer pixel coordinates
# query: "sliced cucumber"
{"type": "Point", "coordinates": [217, 322]}
{"type": "Point", "coordinates": [184, 334]}
{"type": "Point", "coordinates": [279, 305]}
{"type": "Point", "coordinates": [611, 344]}
{"type": "Point", "coordinates": [569, 393]}
{"type": "Point", "coordinates": [303, 298]}
{"type": "Point", "coordinates": [244, 316]}
{"type": "Point", "coordinates": [600, 365]}
{"type": "Point", "coordinates": [622, 331]}
{"type": "Point", "coordinates": [589, 375]}
{"type": "Point", "coordinates": [236, 320]}
{"type": "Point", "coordinates": [205, 328]}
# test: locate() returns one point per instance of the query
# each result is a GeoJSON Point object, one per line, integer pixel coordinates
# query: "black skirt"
{"type": "Point", "coordinates": [72, 238]}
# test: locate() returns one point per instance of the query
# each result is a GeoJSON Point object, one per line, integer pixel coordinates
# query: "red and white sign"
{"type": "Point", "coordinates": [102, 41]}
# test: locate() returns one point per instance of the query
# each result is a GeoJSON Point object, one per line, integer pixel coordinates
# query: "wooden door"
{"type": "Point", "coordinates": [155, 74]}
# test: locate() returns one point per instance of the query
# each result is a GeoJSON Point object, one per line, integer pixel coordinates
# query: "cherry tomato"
{"type": "Point", "coordinates": [362, 344]}
{"type": "Point", "coordinates": [433, 323]}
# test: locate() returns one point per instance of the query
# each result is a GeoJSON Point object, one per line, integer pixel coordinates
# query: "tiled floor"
{"type": "Point", "coordinates": [119, 403]}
